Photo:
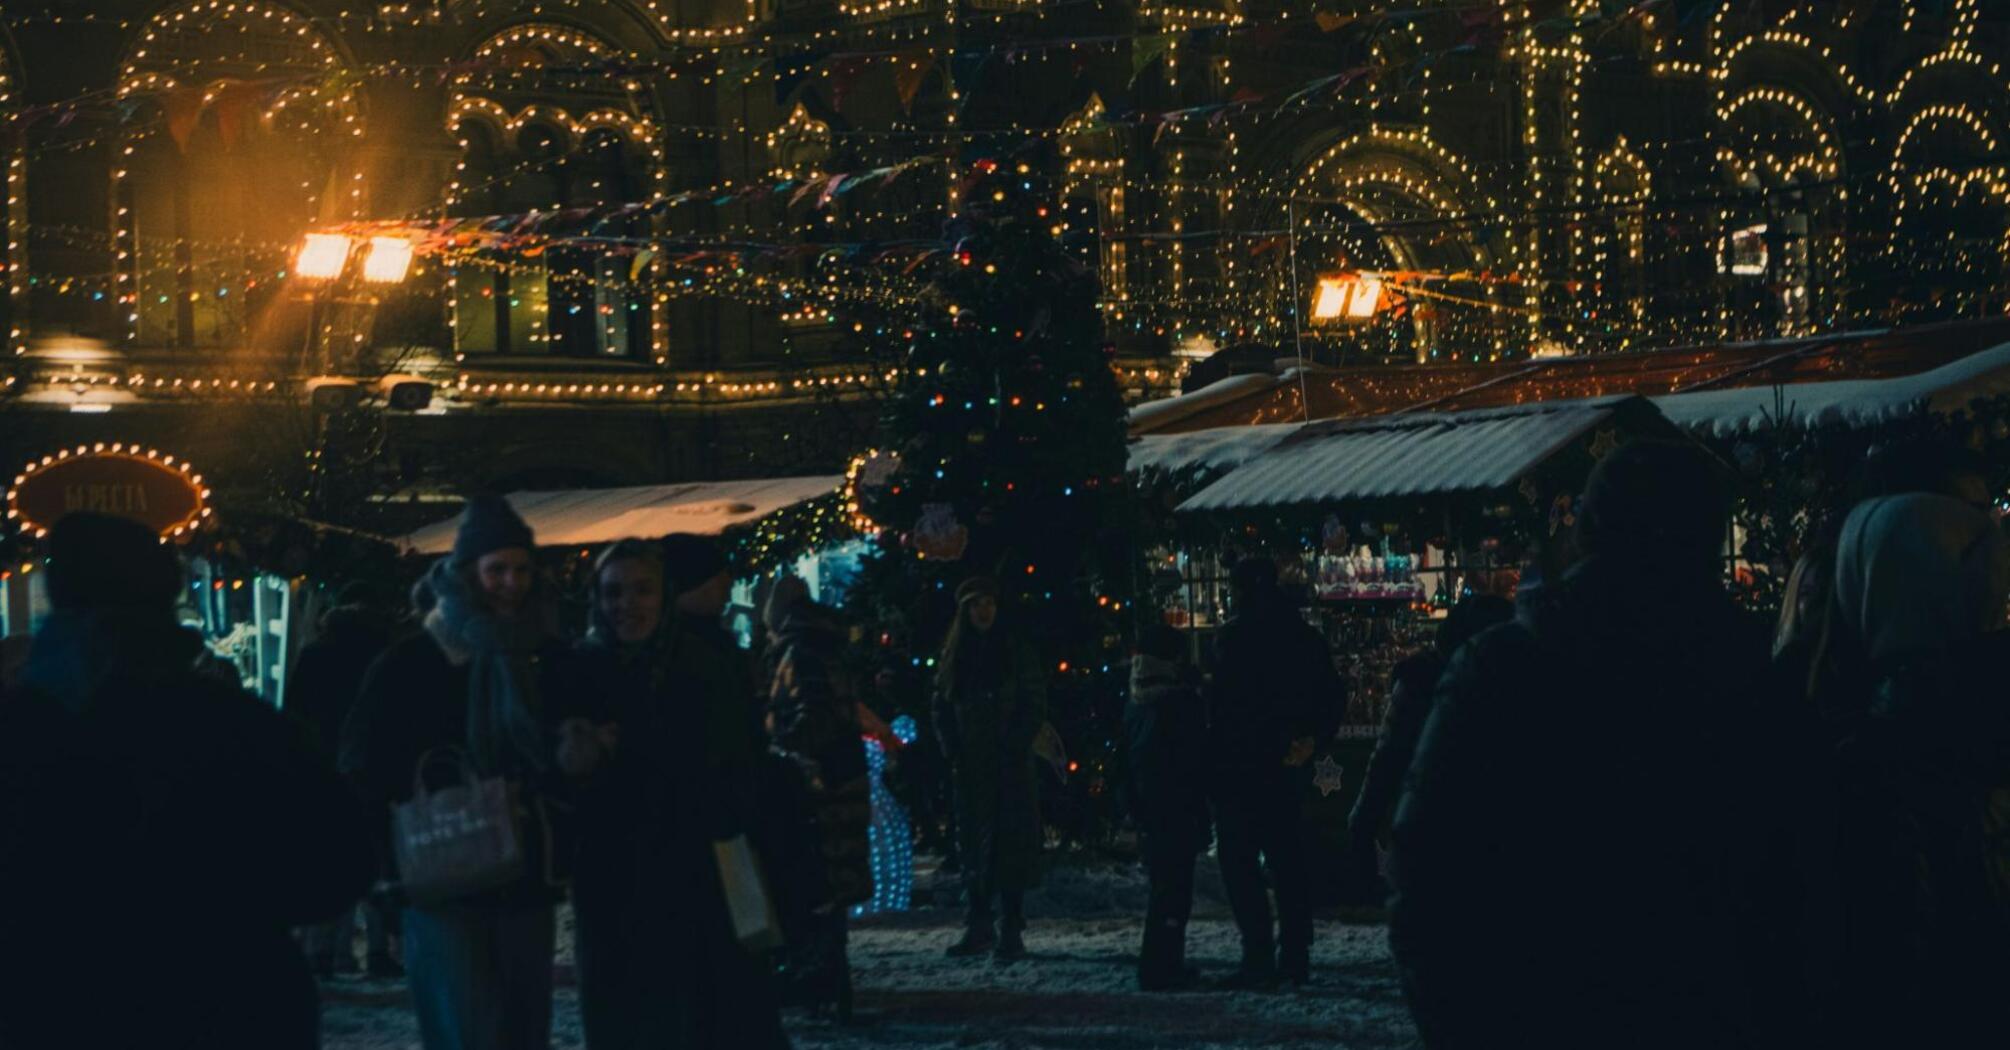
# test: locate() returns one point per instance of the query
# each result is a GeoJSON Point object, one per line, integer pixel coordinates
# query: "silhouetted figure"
{"type": "Point", "coordinates": [1912, 675]}
{"type": "Point", "coordinates": [1274, 698]}
{"type": "Point", "coordinates": [1590, 849]}
{"type": "Point", "coordinates": [162, 830]}
{"type": "Point", "coordinates": [991, 699]}
{"type": "Point", "coordinates": [321, 688]}
{"type": "Point", "coordinates": [1413, 683]}
{"type": "Point", "coordinates": [1165, 732]}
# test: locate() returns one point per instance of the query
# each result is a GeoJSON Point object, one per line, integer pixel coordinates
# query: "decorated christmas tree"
{"type": "Point", "coordinates": [1002, 454]}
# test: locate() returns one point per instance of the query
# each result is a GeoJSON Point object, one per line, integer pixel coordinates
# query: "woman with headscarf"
{"type": "Point", "coordinates": [623, 664]}
{"type": "Point", "coordinates": [991, 699]}
{"type": "Point", "coordinates": [486, 676]}
{"type": "Point", "coordinates": [1912, 669]}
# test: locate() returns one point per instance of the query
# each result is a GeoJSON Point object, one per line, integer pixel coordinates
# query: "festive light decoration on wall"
{"type": "Point", "coordinates": [1559, 239]}
{"type": "Point", "coordinates": [14, 221]}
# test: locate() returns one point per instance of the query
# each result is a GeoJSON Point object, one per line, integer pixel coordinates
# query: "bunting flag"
{"type": "Point", "coordinates": [830, 188]}
{"type": "Point", "coordinates": [844, 74]}
{"type": "Point", "coordinates": [912, 73]}
{"type": "Point", "coordinates": [1330, 23]}
{"type": "Point", "coordinates": [964, 68]}
{"type": "Point", "coordinates": [183, 109]}
{"type": "Point", "coordinates": [792, 70]}
{"type": "Point", "coordinates": [1146, 49]}
{"type": "Point", "coordinates": [233, 104]}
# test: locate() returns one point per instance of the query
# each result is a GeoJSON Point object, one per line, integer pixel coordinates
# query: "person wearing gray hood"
{"type": "Point", "coordinates": [1913, 665]}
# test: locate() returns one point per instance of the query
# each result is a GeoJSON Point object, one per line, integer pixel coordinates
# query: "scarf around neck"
{"type": "Point", "coordinates": [505, 734]}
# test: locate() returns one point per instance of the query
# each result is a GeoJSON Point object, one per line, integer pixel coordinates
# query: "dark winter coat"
{"type": "Point", "coordinates": [723, 720]}
{"type": "Point", "coordinates": [658, 962]}
{"type": "Point", "coordinates": [713, 757]}
{"type": "Point", "coordinates": [1925, 836]}
{"type": "Point", "coordinates": [162, 833]}
{"type": "Point", "coordinates": [1165, 731]}
{"type": "Point", "coordinates": [815, 723]}
{"type": "Point", "coordinates": [414, 700]}
{"type": "Point", "coordinates": [327, 675]}
{"type": "Point", "coordinates": [986, 718]}
{"type": "Point", "coordinates": [1411, 686]}
{"type": "Point", "coordinates": [1589, 850]}
{"type": "Point", "coordinates": [1273, 683]}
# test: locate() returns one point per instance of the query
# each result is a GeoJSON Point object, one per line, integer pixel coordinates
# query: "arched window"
{"type": "Point", "coordinates": [537, 136]}
{"type": "Point", "coordinates": [1780, 244]}
{"type": "Point", "coordinates": [1617, 250]}
{"type": "Point", "coordinates": [1951, 218]}
{"type": "Point", "coordinates": [249, 117]}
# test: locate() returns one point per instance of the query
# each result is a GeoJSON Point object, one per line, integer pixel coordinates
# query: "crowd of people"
{"type": "Point", "coordinates": [1622, 811]}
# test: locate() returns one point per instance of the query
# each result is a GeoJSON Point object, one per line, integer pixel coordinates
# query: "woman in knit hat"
{"type": "Point", "coordinates": [487, 676]}
{"type": "Point", "coordinates": [990, 701]}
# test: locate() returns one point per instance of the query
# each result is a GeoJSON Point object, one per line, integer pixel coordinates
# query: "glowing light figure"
{"type": "Point", "coordinates": [892, 836]}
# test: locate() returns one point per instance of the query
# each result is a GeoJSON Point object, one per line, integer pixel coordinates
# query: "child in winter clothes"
{"type": "Point", "coordinates": [1165, 726]}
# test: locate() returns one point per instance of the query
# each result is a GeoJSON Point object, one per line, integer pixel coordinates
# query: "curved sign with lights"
{"type": "Point", "coordinates": [161, 492]}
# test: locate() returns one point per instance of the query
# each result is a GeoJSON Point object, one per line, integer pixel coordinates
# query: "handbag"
{"type": "Point", "coordinates": [460, 840]}
{"type": "Point", "coordinates": [748, 902]}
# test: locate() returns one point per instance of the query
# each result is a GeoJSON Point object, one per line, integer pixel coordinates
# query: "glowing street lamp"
{"type": "Point", "coordinates": [387, 259]}
{"type": "Point", "coordinates": [322, 256]}
{"type": "Point", "coordinates": [1350, 299]}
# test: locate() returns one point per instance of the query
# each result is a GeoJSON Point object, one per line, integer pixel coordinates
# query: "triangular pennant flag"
{"type": "Point", "coordinates": [910, 75]}
{"type": "Point", "coordinates": [640, 263]}
{"type": "Point", "coordinates": [1146, 49]}
{"type": "Point", "coordinates": [964, 67]}
{"type": "Point", "coordinates": [183, 109]}
{"type": "Point", "coordinates": [844, 74]}
{"type": "Point", "coordinates": [830, 189]}
{"type": "Point", "coordinates": [792, 70]}
{"type": "Point", "coordinates": [1329, 22]}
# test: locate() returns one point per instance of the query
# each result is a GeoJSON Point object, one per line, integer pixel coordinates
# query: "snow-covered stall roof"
{"type": "Point", "coordinates": [1217, 448]}
{"type": "Point", "coordinates": [1849, 402]}
{"type": "Point", "coordinates": [1422, 453]}
{"type": "Point", "coordinates": [1166, 411]}
{"type": "Point", "coordinates": [582, 517]}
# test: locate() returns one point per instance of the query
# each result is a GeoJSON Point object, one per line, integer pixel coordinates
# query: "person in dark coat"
{"type": "Point", "coordinates": [1275, 697]}
{"type": "Point", "coordinates": [1165, 733]}
{"type": "Point", "coordinates": [814, 721]}
{"type": "Point", "coordinates": [485, 682]}
{"type": "Point", "coordinates": [714, 724]}
{"type": "Point", "coordinates": [163, 831]}
{"type": "Point", "coordinates": [1588, 852]}
{"type": "Point", "coordinates": [623, 661]}
{"type": "Point", "coordinates": [1412, 684]}
{"type": "Point", "coordinates": [321, 687]}
{"type": "Point", "coordinates": [990, 701]}
{"type": "Point", "coordinates": [1917, 651]}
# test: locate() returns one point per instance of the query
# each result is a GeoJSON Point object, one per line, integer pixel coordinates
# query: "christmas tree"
{"type": "Point", "coordinates": [1002, 454]}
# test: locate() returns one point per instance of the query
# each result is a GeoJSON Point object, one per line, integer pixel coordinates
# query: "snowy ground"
{"type": "Point", "coordinates": [1078, 989]}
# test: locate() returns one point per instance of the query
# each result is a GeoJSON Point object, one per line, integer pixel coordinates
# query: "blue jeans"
{"type": "Point", "coordinates": [481, 977]}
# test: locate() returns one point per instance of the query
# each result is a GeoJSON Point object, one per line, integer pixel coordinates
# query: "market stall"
{"type": "Point", "coordinates": [1381, 524]}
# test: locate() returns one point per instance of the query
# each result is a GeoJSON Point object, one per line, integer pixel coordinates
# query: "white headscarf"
{"type": "Point", "coordinates": [1918, 574]}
